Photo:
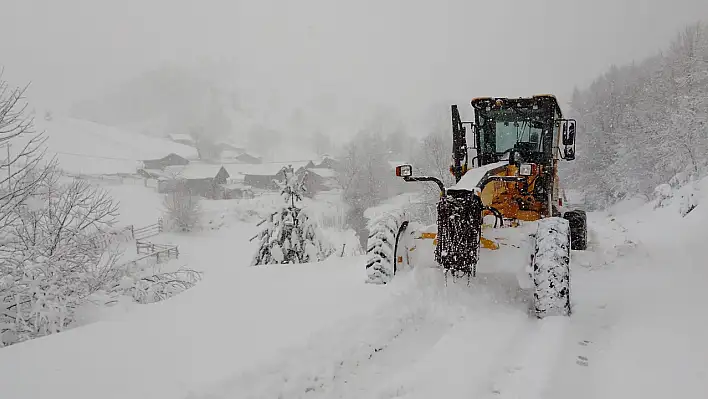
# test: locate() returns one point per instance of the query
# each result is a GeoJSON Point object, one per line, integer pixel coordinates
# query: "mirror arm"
{"type": "Point", "coordinates": [428, 178]}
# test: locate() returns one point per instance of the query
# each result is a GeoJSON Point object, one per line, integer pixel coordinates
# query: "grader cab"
{"type": "Point", "coordinates": [509, 173]}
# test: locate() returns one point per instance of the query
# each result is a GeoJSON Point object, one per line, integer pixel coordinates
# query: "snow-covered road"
{"type": "Point", "coordinates": [317, 331]}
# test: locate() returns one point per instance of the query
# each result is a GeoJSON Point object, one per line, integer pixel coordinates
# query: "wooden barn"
{"type": "Point", "coordinates": [161, 163]}
{"type": "Point", "coordinates": [199, 179]}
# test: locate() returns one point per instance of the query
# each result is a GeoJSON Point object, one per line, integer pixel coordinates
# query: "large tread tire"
{"type": "Point", "coordinates": [550, 263]}
{"type": "Point", "coordinates": [381, 248]}
{"type": "Point", "coordinates": [578, 229]}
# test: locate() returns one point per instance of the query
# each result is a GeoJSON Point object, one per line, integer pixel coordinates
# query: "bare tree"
{"type": "Point", "coordinates": [24, 166]}
{"type": "Point", "coordinates": [182, 209]}
{"type": "Point", "coordinates": [61, 216]}
{"type": "Point", "coordinates": [432, 158]}
{"type": "Point", "coordinates": [53, 256]}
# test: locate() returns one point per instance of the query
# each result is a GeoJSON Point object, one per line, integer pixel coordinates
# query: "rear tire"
{"type": "Point", "coordinates": [578, 229]}
{"type": "Point", "coordinates": [550, 263]}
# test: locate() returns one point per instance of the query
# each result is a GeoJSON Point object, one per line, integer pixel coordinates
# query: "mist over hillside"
{"type": "Point", "coordinates": [210, 100]}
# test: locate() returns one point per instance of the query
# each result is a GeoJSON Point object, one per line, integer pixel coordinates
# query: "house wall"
{"type": "Point", "coordinates": [202, 187]}
{"type": "Point", "coordinates": [313, 184]}
{"type": "Point", "coordinates": [264, 182]}
{"type": "Point", "coordinates": [153, 164]}
{"type": "Point", "coordinates": [166, 186]}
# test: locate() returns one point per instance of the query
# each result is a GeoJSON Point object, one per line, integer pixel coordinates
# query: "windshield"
{"type": "Point", "coordinates": [503, 129]}
{"type": "Point", "coordinates": [510, 133]}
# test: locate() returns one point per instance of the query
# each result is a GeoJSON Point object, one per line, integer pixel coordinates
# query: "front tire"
{"type": "Point", "coordinates": [550, 263]}
{"type": "Point", "coordinates": [578, 229]}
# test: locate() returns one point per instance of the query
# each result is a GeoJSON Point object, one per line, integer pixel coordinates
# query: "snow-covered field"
{"type": "Point", "coordinates": [84, 147]}
{"type": "Point", "coordinates": [316, 330]}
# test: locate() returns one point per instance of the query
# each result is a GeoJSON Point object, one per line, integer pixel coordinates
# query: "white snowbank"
{"type": "Point", "coordinates": [226, 325]}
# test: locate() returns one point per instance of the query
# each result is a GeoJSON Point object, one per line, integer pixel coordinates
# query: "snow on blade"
{"type": "Point", "coordinates": [473, 176]}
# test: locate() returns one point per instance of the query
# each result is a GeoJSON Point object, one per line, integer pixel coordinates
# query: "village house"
{"type": "Point", "coordinates": [327, 162]}
{"type": "Point", "coordinates": [267, 176]}
{"type": "Point", "coordinates": [264, 176]}
{"type": "Point", "coordinates": [323, 179]}
{"type": "Point", "coordinates": [200, 179]}
{"type": "Point", "coordinates": [236, 191]}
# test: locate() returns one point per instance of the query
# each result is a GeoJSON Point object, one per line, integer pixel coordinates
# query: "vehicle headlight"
{"type": "Point", "coordinates": [525, 169]}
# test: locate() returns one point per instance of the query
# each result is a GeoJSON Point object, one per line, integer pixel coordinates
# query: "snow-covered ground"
{"type": "Point", "coordinates": [316, 330]}
{"type": "Point", "coordinates": [84, 147]}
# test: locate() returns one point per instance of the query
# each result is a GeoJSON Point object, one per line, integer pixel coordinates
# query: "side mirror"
{"type": "Point", "coordinates": [404, 170]}
{"type": "Point", "coordinates": [569, 153]}
{"type": "Point", "coordinates": [569, 133]}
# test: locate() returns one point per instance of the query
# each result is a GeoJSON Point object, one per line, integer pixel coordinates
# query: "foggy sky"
{"type": "Point", "coordinates": [408, 54]}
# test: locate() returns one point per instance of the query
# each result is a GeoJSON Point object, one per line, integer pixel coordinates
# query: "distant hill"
{"type": "Point", "coordinates": [89, 148]}
{"type": "Point", "coordinates": [166, 101]}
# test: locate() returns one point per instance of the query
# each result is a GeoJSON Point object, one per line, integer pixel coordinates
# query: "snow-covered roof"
{"type": "Point", "coordinates": [230, 144]}
{"type": "Point", "coordinates": [472, 177]}
{"type": "Point", "coordinates": [261, 169]}
{"type": "Point", "coordinates": [194, 171]}
{"type": "Point", "coordinates": [180, 136]}
{"type": "Point", "coordinates": [324, 172]}
{"type": "Point", "coordinates": [157, 173]}
{"type": "Point", "coordinates": [163, 157]}
{"type": "Point", "coordinates": [326, 157]}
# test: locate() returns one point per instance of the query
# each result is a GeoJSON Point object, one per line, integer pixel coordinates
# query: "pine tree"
{"type": "Point", "coordinates": [291, 236]}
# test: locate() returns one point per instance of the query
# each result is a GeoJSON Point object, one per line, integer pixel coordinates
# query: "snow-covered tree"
{"type": "Point", "coordinates": [182, 209]}
{"type": "Point", "coordinates": [366, 178]}
{"type": "Point", "coordinates": [290, 235]}
{"type": "Point", "coordinates": [53, 256]}
{"type": "Point", "coordinates": [641, 124]}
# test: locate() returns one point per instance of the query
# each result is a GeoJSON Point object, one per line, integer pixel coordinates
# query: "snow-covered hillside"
{"type": "Point", "coordinates": [84, 147]}
{"type": "Point", "coordinates": [317, 330]}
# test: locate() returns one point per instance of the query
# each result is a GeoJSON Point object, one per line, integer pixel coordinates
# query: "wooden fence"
{"type": "Point", "coordinates": [148, 231]}
{"type": "Point", "coordinates": [151, 252]}
{"type": "Point", "coordinates": [144, 247]}
{"type": "Point", "coordinates": [103, 239]}
{"type": "Point", "coordinates": [160, 253]}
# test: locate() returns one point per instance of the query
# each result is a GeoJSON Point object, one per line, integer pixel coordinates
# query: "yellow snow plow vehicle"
{"type": "Point", "coordinates": [508, 174]}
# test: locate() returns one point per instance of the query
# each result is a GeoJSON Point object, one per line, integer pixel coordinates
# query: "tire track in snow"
{"type": "Point", "coordinates": [363, 356]}
{"type": "Point", "coordinates": [459, 323]}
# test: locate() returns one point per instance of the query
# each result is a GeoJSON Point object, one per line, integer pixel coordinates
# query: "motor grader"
{"type": "Point", "coordinates": [508, 174]}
